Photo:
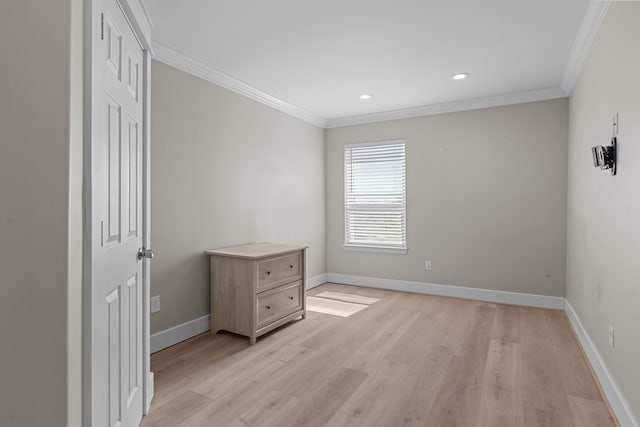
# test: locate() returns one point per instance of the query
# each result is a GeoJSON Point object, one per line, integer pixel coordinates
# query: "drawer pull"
{"type": "Point", "coordinates": [290, 266]}
{"type": "Point", "coordinates": [268, 307]}
{"type": "Point", "coordinates": [290, 297]}
{"type": "Point", "coordinates": [268, 272]}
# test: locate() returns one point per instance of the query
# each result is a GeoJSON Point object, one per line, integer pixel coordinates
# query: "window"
{"type": "Point", "coordinates": [375, 196]}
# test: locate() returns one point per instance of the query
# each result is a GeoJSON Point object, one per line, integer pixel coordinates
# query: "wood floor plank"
{"type": "Point", "coordinates": [430, 329]}
{"type": "Point", "coordinates": [233, 394]}
{"type": "Point", "coordinates": [590, 412]}
{"type": "Point", "coordinates": [320, 364]}
{"type": "Point", "coordinates": [245, 369]}
{"type": "Point", "coordinates": [576, 374]}
{"type": "Point", "coordinates": [379, 393]}
{"type": "Point", "coordinates": [317, 410]}
{"type": "Point", "coordinates": [296, 332]}
{"type": "Point", "coordinates": [374, 349]}
{"type": "Point", "coordinates": [545, 401]}
{"type": "Point", "coordinates": [221, 346]}
{"type": "Point", "coordinates": [502, 388]}
{"type": "Point", "coordinates": [166, 357]}
{"type": "Point", "coordinates": [170, 414]}
{"type": "Point", "coordinates": [194, 364]}
{"type": "Point", "coordinates": [424, 380]}
{"type": "Point", "coordinates": [350, 334]}
{"type": "Point", "coordinates": [406, 360]}
{"type": "Point", "coordinates": [460, 397]}
{"type": "Point", "coordinates": [267, 412]}
{"type": "Point", "coordinates": [459, 318]}
{"type": "Point", "coordinates": [506, 326]}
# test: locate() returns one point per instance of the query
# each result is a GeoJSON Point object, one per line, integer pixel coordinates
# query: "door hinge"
{"type": "Point", "coordinates": [102, 26]}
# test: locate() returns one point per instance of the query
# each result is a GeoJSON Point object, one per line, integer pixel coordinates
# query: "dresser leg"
{"type": "Point", "coordinates": [252, 340]}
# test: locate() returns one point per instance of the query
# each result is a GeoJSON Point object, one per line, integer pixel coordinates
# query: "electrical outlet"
{"type": "Point", "coordinates": [612, 337]}
{"type": "Point", "coordinates": [616, 127]}
{"type": "Point", "coordinates": [427, 265]}
{"type": "Point", "coordinates": [155, 304]}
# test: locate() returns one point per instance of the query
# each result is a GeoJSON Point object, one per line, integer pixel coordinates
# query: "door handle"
{"type": "Point", "coordinates": [145, 253]}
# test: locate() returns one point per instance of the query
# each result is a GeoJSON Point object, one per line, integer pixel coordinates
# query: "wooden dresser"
{"type": "Point", "coordinates": [256, 287]}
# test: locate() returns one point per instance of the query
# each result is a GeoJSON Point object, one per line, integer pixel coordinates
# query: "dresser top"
{"type": "Point", "coordinates": [255, 250]}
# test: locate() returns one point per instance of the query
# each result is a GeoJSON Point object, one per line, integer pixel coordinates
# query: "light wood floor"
{"type": "Point", "coordinates": [406, 360]}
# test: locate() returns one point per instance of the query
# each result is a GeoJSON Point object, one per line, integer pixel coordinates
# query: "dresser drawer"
{"type": "Point", "coordinates": [276, 271]}
{"type": "Point", "coordinates": [279, 302]}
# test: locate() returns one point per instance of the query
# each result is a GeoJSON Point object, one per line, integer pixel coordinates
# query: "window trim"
{"type": "Point", "coordinates": [380, 248]}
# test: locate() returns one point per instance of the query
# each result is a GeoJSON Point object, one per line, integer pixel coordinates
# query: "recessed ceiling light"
{"type": "Point", "coordinates": [460, 76]}
{"type": "Point", "coordinates": [366, 96]}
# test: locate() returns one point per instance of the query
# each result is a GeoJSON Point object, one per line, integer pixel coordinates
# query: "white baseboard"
{"type": "Point", "coordinates": [171, 336]}
{"type": "Point", "coordinates": [318, 280]}
{"type": "Point", "coordinates": [616, 399]}
{"type": "Point", "coordinates": [504, 297]}
{"type": "Point", "coordinates": [176, 334]}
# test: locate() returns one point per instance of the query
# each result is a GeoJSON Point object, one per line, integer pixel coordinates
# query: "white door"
{"type": "Point", "coordinates": [116, 203]}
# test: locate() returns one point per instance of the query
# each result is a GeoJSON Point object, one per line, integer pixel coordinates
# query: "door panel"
{"type": "Point", "coordinates": [132, 163]}
{"type": "Point", "coordinates": [112, 204]}
{"type": "Point", "coordinates": [116, 203]}
{"type": "Point", "coordinates": [114, 45]}
{"type": "Point", "coordinates": [131, 371]}
{"type": "Point", "coordinates": [134, 71]}
{"type": "Point", "coordinates": [114, 337]}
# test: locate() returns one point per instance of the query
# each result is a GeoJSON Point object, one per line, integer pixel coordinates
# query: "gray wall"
{"type": "Point", "coordinates": [40, 119]}
{"type": "Point", "coordinates": [226, 170]}
{"type": "Point", "coordinates": [603, 279]}
{"type": "Point", "coordinates": [486, 199]}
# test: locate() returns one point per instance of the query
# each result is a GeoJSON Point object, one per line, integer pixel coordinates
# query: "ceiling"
{"type": "Point", "coordinates": [321, 55]}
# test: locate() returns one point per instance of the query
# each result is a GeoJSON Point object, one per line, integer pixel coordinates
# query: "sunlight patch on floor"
{"type": "Point", "coordinates": [348, 297]}
{"type": "Point", "coordinates": [338, 303]}
{"type": "Point", "coordinates": [333, 307]}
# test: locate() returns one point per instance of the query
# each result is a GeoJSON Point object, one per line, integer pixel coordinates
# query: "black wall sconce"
{"type": "Point", "coordinates": [605, 157]}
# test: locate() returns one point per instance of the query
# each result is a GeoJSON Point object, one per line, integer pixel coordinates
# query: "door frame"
{"type": "Point", "coordinates": [138, 17]}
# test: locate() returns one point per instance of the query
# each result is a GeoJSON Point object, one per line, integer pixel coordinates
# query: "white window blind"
{"type": "Point", "coordinates": [375, 196]}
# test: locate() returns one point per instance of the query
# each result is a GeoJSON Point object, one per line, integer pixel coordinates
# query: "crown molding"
{"type": "Point", "coordinates": [450, 107]}
{"type": "Point", "coordinates": [170, 56]}
{"type": "Point", "coordinates": [593, 17]}
{"type": "Point", "coordinates": [173, 57]}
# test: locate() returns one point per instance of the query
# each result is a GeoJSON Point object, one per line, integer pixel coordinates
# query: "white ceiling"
{"type": "Point", "coordinates": [320, 55]}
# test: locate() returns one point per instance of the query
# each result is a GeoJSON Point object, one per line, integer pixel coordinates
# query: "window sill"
{"type": "Point", "coordinates": [379, 249]}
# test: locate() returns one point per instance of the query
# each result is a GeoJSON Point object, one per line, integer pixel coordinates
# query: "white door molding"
{"type": "Point", "coordinates": [146, 234]}
{"type": "Point", "coordinates": [140, 20]}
